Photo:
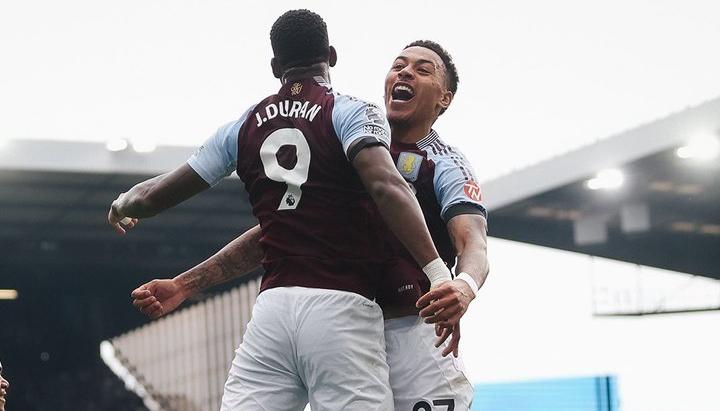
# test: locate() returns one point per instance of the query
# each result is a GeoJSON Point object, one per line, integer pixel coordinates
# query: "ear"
{"type": "Point", "coordinates": [332, 58]}
{"type": "Point", "coordinates": [276, 69]}
{"type": "Point", "coordinates": [446, 99]}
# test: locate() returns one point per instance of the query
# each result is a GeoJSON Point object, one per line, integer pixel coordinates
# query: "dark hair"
{"type": "Point", "coordinates": [451, 74]}
{"type": "Point", "coordinates": [299, 38]}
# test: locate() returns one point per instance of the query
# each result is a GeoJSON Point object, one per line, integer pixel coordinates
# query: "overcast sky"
{"type": "Point", "coordinates": [536, 78]}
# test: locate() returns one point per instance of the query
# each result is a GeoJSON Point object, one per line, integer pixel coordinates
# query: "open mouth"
{"type": "Point", "coordinates": [402, 92]}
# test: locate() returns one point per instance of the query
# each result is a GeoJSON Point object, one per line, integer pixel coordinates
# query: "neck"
{"type": "Point", "coordinates": [410, 133]}
{"type": "Point", "coordinates": [302, 73]}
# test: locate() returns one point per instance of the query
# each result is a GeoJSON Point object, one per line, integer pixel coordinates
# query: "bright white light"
{"type": "Point", "coordinates": [144, 146]}
{"type": "Point", "coordinates": [700, 148]}
{"type": "Point", "coordinates": [606, 179]}
{"type": "Point", "coordinates": [8, 294]}
{"type": "Point", "coordinates": [118, 144]}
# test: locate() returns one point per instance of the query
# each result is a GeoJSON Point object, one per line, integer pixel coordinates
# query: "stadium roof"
{"type": "Point", "coordinates": [55, 195]}
{"type": "Point", "coordinates": [660, 206]}
{"type": "Point", "coordinates": [664, 214]}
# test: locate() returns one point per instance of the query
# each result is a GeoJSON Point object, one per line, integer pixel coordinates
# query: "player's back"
{"type": "Point", "coordinates": [294, 152]}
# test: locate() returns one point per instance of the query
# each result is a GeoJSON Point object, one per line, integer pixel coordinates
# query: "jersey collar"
{"type": "Point", "coordinates": [428, 139]}
{"type": "Point", "coordinates": [321, 81]}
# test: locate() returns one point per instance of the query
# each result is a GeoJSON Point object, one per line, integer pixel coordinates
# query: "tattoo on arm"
{"type": "Point", "coordinates": [242, 256]}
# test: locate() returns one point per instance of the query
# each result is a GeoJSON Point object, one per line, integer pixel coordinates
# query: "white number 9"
{"type": "Point", "coordinates": [295, 177]}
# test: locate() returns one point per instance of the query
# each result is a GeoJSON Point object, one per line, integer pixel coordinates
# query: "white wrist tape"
{"type": "Point", "coordinates": [470, 281]}
{"type": "Point", "coordinates": [437, 272]}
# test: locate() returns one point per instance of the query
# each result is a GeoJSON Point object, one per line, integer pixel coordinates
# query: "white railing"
{"type": "Point", "coordinates": [181, 361]}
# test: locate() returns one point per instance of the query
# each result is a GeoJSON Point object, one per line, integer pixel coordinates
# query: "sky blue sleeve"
{"type": "Point", "coordinates": [359, 124]}
{"type": "Point", "coordinates": [456, 188]}
{"type": "Point", "coordinates": [217, 157]}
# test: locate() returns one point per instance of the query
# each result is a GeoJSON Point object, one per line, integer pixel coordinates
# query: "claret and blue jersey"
{"type": "Point", "coordinates": [293, 152]}
{"type": "Point", "coordinates": [445, 186]}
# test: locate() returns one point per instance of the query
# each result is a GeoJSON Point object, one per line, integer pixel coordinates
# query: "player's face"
{"type": "Point", "coordinates": [4, 384]}
{"type": "Point", "coordinates": [415, 87]}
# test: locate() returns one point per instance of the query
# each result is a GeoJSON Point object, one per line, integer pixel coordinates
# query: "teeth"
{"type": "Point", "coordinates": [402, 87]}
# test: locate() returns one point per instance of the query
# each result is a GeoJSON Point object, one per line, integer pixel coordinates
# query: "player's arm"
{"type": "Point", "coordinates": [237, 259]}
{"type": "Point", "coordinates": [396, 202]}
{"type": "Point", "coordinates": [212, 162]}
{"type": "Point", "coordinates": [155, 195]}
{"type": "Point", "coordinates": [466, 219]}
{"type": "Point", "coordinates": [468, 233]}
{"type": "Point", "coordinates": [365, 135]}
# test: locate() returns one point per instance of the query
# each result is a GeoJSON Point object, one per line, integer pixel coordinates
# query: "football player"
{"type": "Point", "coordinates": [316, 165]}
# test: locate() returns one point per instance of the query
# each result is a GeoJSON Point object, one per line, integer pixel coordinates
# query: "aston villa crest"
{"type": "Point", "coordinates": [408, 165]}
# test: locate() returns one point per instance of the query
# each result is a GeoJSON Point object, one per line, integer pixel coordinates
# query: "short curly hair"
{"type": "Point", "coordinates": [299, 38]}
{"type": "Point", "coordinates": [451, 74]}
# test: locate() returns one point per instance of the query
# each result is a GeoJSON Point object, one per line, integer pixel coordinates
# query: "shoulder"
{"type": "Point", "coordinates": [350, 109]}
{"type": "Point", "coordinates": [450, 159]}
{"type": "Point", "coordinates": [348, 102]}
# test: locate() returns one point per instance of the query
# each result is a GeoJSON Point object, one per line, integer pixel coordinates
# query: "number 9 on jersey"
{"type": "Point", "coordinates": [295, 177]}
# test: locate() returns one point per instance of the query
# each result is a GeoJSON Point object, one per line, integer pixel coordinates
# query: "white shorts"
{"type": "Point", "coordinates": [306, 344]}
{"type": "Point", "coordinates": [420, 377]}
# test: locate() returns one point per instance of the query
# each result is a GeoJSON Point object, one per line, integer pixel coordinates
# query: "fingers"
{"type": "Point", "coordinates": [451, 321]}
{"type": "Point", "coordinates": [444, 303]}
{"type": "Point", "coordinates": [115, 222]}
{"type": "Point", "coordinates": [145, 299]}
{"type": "Point", "coordinates": [446, 315]}
{"type": "Point", "coordinates": [143, 303]}
{"type": "Point", "coordinates": [454, 345]}
{"type": "Point", "coordinates": [433, 298]}
{"type": "Point", "coordinates": [426, 299]}
{"type": "Point", "coordinates": [149, 306]}
{"type": "Point", "coordinates": [445, 333]}
{"type": "Point", "coordinates": [140, 293]}
{"type": "Point", "coordinates": [431, 308]}
{"type": "Point", "coordinates": [144, 290]}
{"type": "Point", "coordinates": [132, 223]}
{"type": "Point", "coordinates": [147, 289]}
{"type": "Point", "coordinates": [155, 311]}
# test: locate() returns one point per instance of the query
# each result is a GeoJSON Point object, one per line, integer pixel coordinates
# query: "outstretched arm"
{"type": "Point", "coordinates": [240, 257]}
{"type": "Point", "coordinates": [213, 161]}
{"type": "Point", "coordinates": [152, 196]}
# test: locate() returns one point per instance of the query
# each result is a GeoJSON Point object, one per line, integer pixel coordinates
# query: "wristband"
{"type": "Point", "coordinates": [437, 272]}
{"type": "Point", "coordinates": [470, 281]}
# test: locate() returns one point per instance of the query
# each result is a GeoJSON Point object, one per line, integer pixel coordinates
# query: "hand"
{"type": "Point", "coordinates": [443, 334]}
{"type": "Point", "coordinates": [115, 218]}
{"type": "Point", "coordinates": [446, 304]}
{"type": "Point", "coordinates": [158, 297]}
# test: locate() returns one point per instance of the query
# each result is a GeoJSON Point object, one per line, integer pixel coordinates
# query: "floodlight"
{"type": "Point", "coordinates": [607, 179]}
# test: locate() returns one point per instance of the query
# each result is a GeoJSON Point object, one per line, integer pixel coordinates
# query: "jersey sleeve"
{"type": "Point", "coordinates": [217, 157]}
{"type": "Point", "coordinates": [358, 125]}
{"type": "Point", "coordinates": [456, 188]}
